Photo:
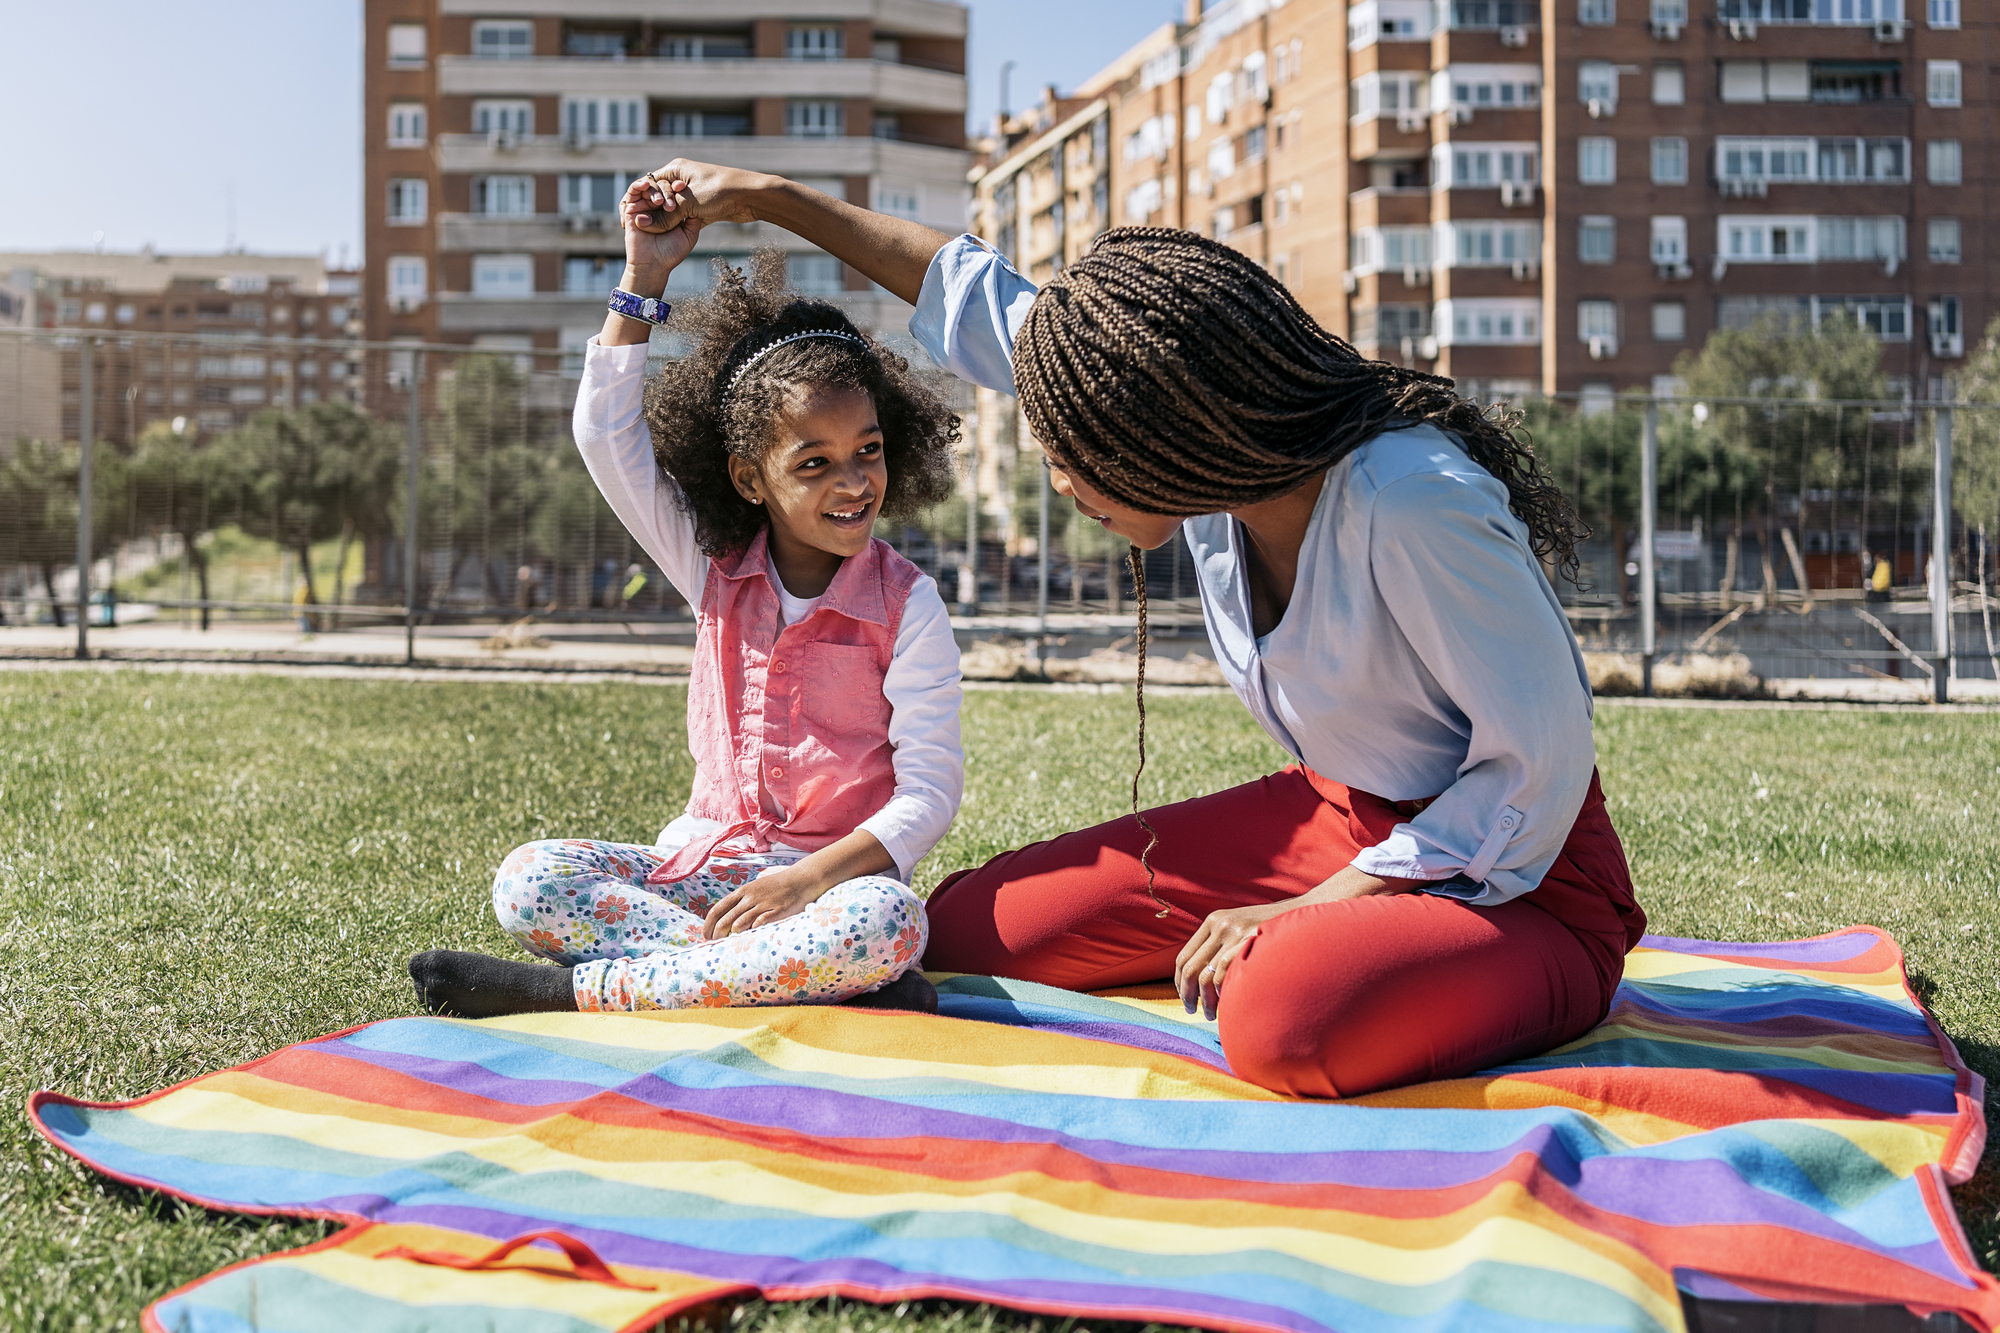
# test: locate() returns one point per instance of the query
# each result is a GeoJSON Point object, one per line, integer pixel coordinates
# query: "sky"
{"type": "Point", "coordinates": [211, 121]}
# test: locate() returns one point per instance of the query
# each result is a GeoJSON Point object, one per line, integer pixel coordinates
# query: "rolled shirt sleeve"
{"type": "Point", "coordinates": [1461, 583]}
{"type": "Point", "coordinates": [971, 306]}
{"type": "Point", "coordinates": [923, 689]}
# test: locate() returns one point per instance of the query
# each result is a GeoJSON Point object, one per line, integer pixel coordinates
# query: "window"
{"type": "Point", "coordinates": [1860, 239]}
{"type": "Point", "coordinates": [1380, 21]}
{"type": "Point", "coordinates": [898, 201]}
{"type": "Point", "coordinates": [1670, 84]}
{"type": "Point", "coordinates": [1492, 321]}
{"type": "Point", "coordinates": [587, 119]}
{"type": "Point", "coordinates": [1944, 162]}
{"type": "Point", "coordinates": [1253, 144]}
{"type": "Point", "coordinates": [409, 201]}
{"type": "Point", "coordinates": [1151, 140]}
{"type": "Point", "coordinates": [1597, 81]}
{"type": "Point", "coordinates": [1777, 80]}
{"type": "Point", "coordinates": [1378, 324]}
{"type": "Point", "coordinates": [719, 125]}
{"type": "Point", "coordinates": [499, 277]}
{"type": "Point", "coordinates": [1487, 87]}
{"type": "Point", "coordinates": [1374, 249]}
{"type": "Point", "coordinates": [815, 120]}
{"type": "Point", "coordinates": [409, 280]}
{"type": "Point", "coordinates": [814, 42]}
{"type": "Point", "coordinates": [1670, 321]}
{"type": "Point", "coordinates": [1887, 317]}
{"type": "Point", "coordinates": [409, 43]}
{"type": "Point", "coordinates": [406, 125]}
{"type": "Point", "coordinates": [1488, 244]}
{"type": "Point", "coordinates": [593, 193]}
{"type": "Point", "coordinates": [1763, 159]}
{"type": "Point", "coordinates": [1944, 245]}
{"type": "Point", "coordinates": [1944, 13]}
{"type": "Point", "coordinates": [1941, 82]}
{"type": "Point", "coordinates": [1596, 160]}
{"type": "Point", "coordinates": [1492, 13]}
{"type": "Point", "coordinates": [1221, 97]}
{"type": "Point", "coordinates": [504, 196]}
{"type": "Point", "coordinates": [509, 40]}
{"type": "Point", "coordinates": [1399, 95]}
{"type": "Point", "coordinates": [1674, 12]}
{"type": "Point", "coordinates": [1596, 238]}
{"type": "Point", "coordinates": [1142, 201]}
{"type": "Point", "coordinates": [1854, 81]}
{"type": "Point", "coordinates": [1476, 165]}
{"type": "Point", "coordinates": [703, 46]}
{"type": "Point", "coordinates": [514, 116]}
{"type": "Point", "coordinates": [1670, 161]}
{"type": "Point", "coordinates": [591, 275]}
{"type": "Point", "coordinates": [1596, 320]}
{"type": "Point", "coordinates": [595, 43]}
{"type": "Point", "coordinates": [1597, 13]}
{"type": "Point", "coordinates": [1764, 240]}
{"type": "Point", "coordinates": [1223, 223]}
{"type": "Point", "coordinates": [1946, 316]}
{"type": "Point", "coordinates": [1848, 13]}
{"type": "Point", "coordinates": [1222, 159]}
{"type": "Point", "coordinates": [1670, 240]}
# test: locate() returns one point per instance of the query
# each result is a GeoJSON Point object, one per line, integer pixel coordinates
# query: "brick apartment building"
{"type": "Point", "coordinates": [1543, 195]}
{"type": "Point", "coordinates": [257, 301]}
{"type": "Point", "coordinates": [501, 133]}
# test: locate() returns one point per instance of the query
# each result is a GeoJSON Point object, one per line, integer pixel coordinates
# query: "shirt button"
{"type": "Point", "coordinates": [777, 772]}
{"type": "Point", "coordinates": [1507, 821]}
{"type": "Point", "coordinates": [778, 668]}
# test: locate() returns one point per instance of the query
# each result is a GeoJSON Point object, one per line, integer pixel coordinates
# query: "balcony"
{"type": "Point", "coordinates": [915, 18]}
{"type": "Point", "coordinates": [1381, 206]}
{"type": "Point", "coordinates": [892, 87]}
{"type": "Point", "coordinates": [462, 312]}
{"type": "Point", "coordinates": [783, 155]}
{"type": "Point", "coordinates": [462, 233]}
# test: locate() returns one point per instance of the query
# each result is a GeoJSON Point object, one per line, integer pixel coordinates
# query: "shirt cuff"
{"type": "Point", "coordinates": [617, 360]}
{"type": "Point", "coordinates": [892, 829]}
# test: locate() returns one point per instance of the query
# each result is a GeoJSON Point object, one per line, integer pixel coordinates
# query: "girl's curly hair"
{"type": "Point", "coordinates": [696, 425]}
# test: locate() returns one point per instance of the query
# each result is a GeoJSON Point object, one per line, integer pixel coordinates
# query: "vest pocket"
{"type": "Point", "coordinates": [840, 692]}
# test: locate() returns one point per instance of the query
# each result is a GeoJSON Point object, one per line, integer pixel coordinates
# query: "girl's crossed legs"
{"type": "Point", "coordinates": [638, 946]}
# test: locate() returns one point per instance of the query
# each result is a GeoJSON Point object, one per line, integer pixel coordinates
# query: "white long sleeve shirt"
{"type": "Point", "coordinates": [922, 682]}
{"type": "Point", "coordinates": [1423, 653]}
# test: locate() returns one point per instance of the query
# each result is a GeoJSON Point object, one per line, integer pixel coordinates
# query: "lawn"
{"type": "Point", "coordinates": [195, 870]}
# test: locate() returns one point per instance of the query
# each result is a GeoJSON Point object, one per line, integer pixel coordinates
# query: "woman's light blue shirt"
{"type": "Point", "coordinates": [1423, 653]}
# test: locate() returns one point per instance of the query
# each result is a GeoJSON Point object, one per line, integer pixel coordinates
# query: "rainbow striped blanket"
{"type": "Point", "coordinates": [1752, 1122]}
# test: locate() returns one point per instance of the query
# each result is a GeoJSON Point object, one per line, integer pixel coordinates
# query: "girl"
{"type": "Point", "coordinates": [1434, 885]}
{"type": "Point", "coordinates": [823, 708]}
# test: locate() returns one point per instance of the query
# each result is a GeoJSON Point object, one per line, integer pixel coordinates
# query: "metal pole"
{"type": "Point", "coordinates": [1649, 521]}
{"type": "Point", "coordinates": [968, 583]}
{"type": "Point", "coordinates": [410, 467]}
{"type": "Point", "coordinates": [85, 427]}
{"type": "Point", "coordinates": [1941, 556]}
{"type": "Point", "coordinates": [1042, 574]}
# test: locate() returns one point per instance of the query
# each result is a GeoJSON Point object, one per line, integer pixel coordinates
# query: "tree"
{"type": "Point", "coordinates": [181, 482]}
{"type": "Point", "coordinates": [38, 489]}
{"type": "Point", "coordinates": [313, 473]}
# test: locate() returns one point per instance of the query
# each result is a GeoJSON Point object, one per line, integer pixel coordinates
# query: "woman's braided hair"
{"type": "Point", "coordinates": [726, 395]}
{"type": "Point", "coordinates": [1176, 376]}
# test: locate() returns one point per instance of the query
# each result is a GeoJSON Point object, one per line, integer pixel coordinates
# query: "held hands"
{"type": "Point", "coordinates": [683, 191]}
{"type": "Point", "coordinates": [772, 896]}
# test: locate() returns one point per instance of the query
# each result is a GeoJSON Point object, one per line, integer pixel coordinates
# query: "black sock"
{"type": "Point", "coordinates": [909, 991]}
{"type": "Point", "coordinates": [474, 985]}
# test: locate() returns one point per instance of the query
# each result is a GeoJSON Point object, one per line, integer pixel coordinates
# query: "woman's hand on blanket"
{"type": "Point", "coordinates": [772, 896]}
{"type": "Point", "coordinates": [1206, 957]}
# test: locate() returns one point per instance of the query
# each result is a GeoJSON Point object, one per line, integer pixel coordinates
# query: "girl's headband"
{"type": "Point", "coordinates": [774, 345]}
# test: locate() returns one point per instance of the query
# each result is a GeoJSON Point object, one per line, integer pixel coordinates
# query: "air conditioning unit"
{"type": "Point", "coordinates": [1742, 187]}
{"type": "Point", "coordinates": [1516, 194]}
{"type": "Point", "coordinates": [1718, 269]}
{"type": "Point", "coordinates": [1461, 114]}
{"type": "Point", "coordinates": [577, 141]}
{"type": "Point", "coordinates": [503, 141]}
{"type": "Point", "coordinates": [1603, 349]}
{"type": "Point", "coordinates": [1526, 270]}
{"type": "Point", "coordinates": [1680, 272]}
{"type": "Point", "coordinates": [1948, 344]}
{"type": "Point", "coordinates": [1416, 277]}
{"type": "Point", "coordinates": [1514, 35]}
{"type": "Point", "coordinates": [405, 305]}
{"type": "Point", "coordinates": [1350, 282]}
{"type": "Point", "coordinates": [1412, 122]}
{"type": "Point", "coordinates": [1666, 31]}
{"type": "Point", "coordinates": [1742, 30]}
{"type": "Point", "coordinates": [583, 222]}
{"type": "Point", "coordinates": [1889, 30]}
{"type": "Point", "coordinates": [1601, 107]}
{"type": "Point", "coordinates": [1890, 265]}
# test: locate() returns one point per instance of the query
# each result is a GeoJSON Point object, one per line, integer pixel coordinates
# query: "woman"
{"type": "Point", "coordinates": [1435, 885]}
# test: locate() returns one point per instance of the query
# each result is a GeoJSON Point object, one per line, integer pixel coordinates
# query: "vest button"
{"type": "Point", "coordinates": [778, 668]}
{"type": "Point", "coordinates": [777, 773]}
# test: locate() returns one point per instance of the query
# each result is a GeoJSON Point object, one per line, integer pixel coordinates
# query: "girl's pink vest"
{"type": "Point", "coordinates": [802, 704]}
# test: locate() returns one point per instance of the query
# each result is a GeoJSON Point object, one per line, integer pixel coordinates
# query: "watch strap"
{"type": "Point", "coordinates": [647, 309]}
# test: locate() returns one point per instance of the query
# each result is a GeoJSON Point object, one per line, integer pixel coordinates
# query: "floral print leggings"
{"type": "Point", "coordinates": [640, 946]}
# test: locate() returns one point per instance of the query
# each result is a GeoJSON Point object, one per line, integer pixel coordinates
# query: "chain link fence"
{"type": "Point", "coordinates": [232, 480]}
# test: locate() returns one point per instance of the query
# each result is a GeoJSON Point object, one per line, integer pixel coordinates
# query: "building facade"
{"type": "Point", "coordinates": [234, 314]}
{"type": "Point", "coordinates": [500, 136]}
{"type": "Point", "coordinates": [1546, 195]}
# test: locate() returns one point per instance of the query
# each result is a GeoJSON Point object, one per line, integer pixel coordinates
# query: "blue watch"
{"type": "Point", "coordinates": [647, 309]}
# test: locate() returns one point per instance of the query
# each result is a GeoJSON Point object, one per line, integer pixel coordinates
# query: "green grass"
{"type": "Point", "coordinates": [242, 568]}
{"type": "Point", "coordinates": [195, 870]}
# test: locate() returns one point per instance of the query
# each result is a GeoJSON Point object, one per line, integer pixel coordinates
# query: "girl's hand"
{"type": "Point", "coordinates": [684, 190]}
{"type": "Point", "coordinates": [651, 256]}
{"type": "Point", "coordinates": [772, 896]}
{"type": "Point", "coordinates": [1203, 960]}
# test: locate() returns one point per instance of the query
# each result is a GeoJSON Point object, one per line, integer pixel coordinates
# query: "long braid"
{"type": "Point", "coordinates": [1175, 376]}
{"type": "Point", "coordinates": [1136, 560]}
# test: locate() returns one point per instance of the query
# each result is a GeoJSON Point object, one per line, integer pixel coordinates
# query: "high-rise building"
{"type": "Point", "coordinates": [1545, 195]}
{"type": "Point", "coordinates": [501, 136]}
{"type": "Point", "coordinates": [235, 311]}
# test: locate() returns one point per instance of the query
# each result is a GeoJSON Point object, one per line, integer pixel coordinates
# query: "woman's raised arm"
{"type": "Point", "coordinates": [892, 251]}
